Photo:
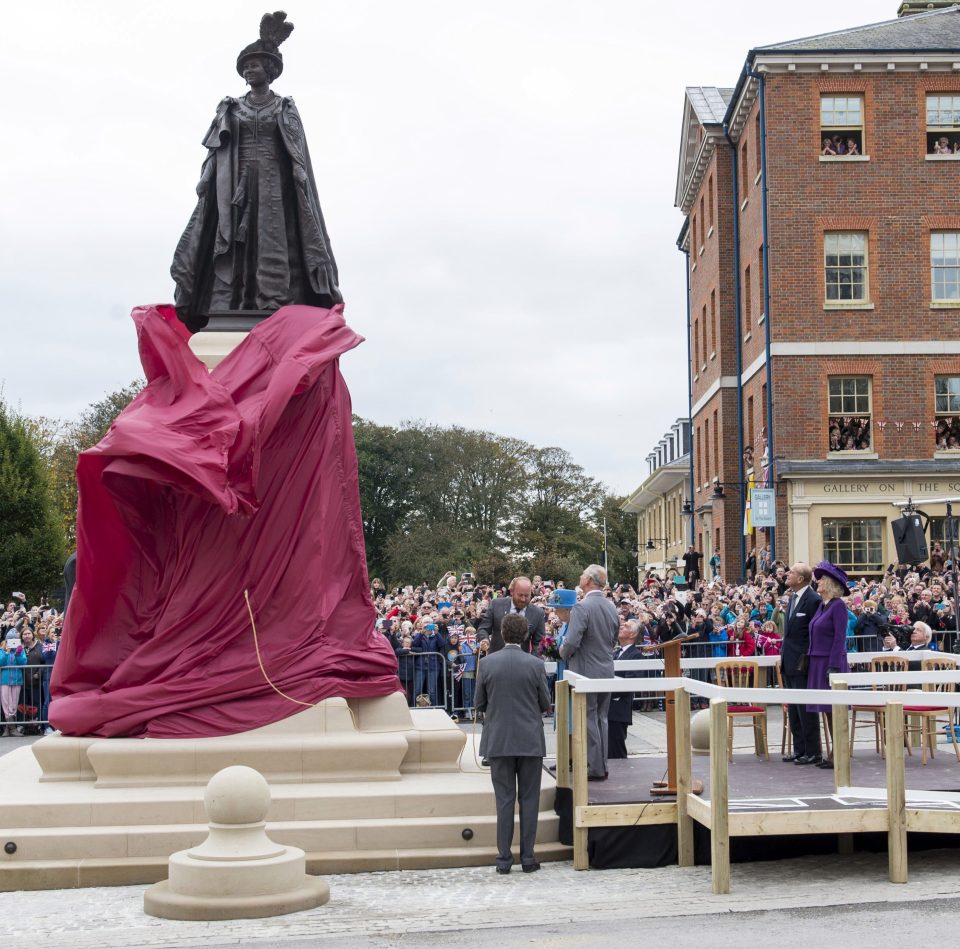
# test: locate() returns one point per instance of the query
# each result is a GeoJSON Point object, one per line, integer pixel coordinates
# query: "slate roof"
{"type": "Point", "coordinates": [709, 103]}
{"type": "Point", "coordinates": [936, 31]}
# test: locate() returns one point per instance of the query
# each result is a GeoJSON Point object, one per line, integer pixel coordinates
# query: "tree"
{"type": "Point", "coordinates": [78, 436]}
{"type": "Point", "coordinates": [33, 549]}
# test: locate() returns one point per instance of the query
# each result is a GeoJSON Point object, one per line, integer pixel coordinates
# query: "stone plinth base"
{"type": "Point", "coordinates": [101, 812]}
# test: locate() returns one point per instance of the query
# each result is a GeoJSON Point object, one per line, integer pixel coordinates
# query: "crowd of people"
{"type": "Point", "coordinates": [440, 632]}
{"type": "Point", "coordinates": [29, 637]}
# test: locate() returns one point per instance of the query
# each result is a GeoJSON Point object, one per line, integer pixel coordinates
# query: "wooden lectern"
{"type": "Point", "coordinates": [671, 669]}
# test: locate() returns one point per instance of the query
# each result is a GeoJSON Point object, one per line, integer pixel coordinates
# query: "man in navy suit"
{"type": "Point", "coordinates": [803, 604]}
{"type": "Point", "coordinates": [620, 713]}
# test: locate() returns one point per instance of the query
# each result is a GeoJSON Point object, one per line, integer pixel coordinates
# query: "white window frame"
{"type": "Point", "coordinates": [838, 127]}
{"type": "Point", "coordinates": [940, 106]}
{"type": "Point", "coordinates": [949, 242]}
{"type": "Point", "coordinates": [845, 406]}
{"type": "Point", "coordinates": [842, 244]}
{"type": "Point", "coordinates": [946, 409]}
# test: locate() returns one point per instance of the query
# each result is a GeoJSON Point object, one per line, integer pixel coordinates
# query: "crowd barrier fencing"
{"type": "Point", "coordinates": [25, 708]}
{"type": "Point", "coordinates": [896, 819]}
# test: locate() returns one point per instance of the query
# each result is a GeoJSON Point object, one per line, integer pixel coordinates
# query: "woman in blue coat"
{"type": "Point", "coordinates": [11, 679]}
{"type": "Point", "coordinates": [828, 636]}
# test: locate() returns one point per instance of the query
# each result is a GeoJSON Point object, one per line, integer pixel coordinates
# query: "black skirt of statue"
{"type": "Point", "coordinates": [256, 240]}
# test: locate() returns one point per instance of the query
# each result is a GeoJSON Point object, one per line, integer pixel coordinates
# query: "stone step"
{"type": "Point", "coordinates": [128, 871]}
{"type": "Point", "coordinates": [38, 845]}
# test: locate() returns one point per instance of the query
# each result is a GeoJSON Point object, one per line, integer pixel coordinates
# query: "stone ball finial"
{"type": "Point", "coordinates": [237, 795]}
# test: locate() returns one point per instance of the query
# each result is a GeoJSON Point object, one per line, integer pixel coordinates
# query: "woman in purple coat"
{"type": "Point", "coordinates": [828, 636]}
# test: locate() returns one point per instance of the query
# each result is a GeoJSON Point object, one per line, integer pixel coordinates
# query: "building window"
{"type": "Point", "coordinates": [943, 124]}
{"type": "Point", "coordinates": [713, 318]}
{"type": "Point", "coordinates": [703, 216]}
{"type": "Point", "coordinates": [938, 534]}
{"type": "Point", "coordinates": [760, 296]}
{"type": "Point", "coordinates": [841, 126]}
{"type": "Point", "coordinates": [758, 143]}
{"type": "Point", "coordinates": [747, 300]}
{"type": "Point", "coordinates": [696, 347]}
{"type": "Point", "coordinates": [693, 239]}
{"type": "Point", "coordinates": [845, 267]}
{"type": "Point", "coordinates": [710, 199]}
{"type": "Point", "coordinates": [744, 172]}
{"type": "Point", "coordinates": [854, 544]}
{"type": "Point", "coordinates": [945, 266]}
{"type": "Point", "coordinates": [703, 336]}
{"type": "Point", "coordinates": [947, 409]}
{"type": "Point", "coordinates": [849, 413]}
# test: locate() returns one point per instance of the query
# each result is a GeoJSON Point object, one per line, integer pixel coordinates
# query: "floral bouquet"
{"type": "Point", "coordinates": [549, 648]}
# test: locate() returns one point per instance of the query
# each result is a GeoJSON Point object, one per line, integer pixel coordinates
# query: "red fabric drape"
{"type": "Point", "coordinates": [209, 484]}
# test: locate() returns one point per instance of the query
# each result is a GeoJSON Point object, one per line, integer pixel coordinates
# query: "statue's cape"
{"type": "Point", "coordinates": [206, 486]}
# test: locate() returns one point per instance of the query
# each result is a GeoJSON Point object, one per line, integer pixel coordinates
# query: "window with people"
{"type": "Point", "coordinates": [947, 410]}
{"type": "Point", "coordinates": [943, 124]}
{"type": "Point", "coordinates": [841, 126]}
{"type": "Point", "coordinates": [849, 414]}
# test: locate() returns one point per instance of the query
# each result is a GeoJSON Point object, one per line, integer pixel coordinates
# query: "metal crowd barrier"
{"type": "Point", "coordinates": [27, 707]}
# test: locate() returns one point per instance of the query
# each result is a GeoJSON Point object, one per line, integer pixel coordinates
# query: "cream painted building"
{"type": "Point", "coordinates": [662, 502]}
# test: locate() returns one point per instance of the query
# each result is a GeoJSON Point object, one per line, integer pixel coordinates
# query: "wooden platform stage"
{"type": "Point", "coordinates": [756, 787]}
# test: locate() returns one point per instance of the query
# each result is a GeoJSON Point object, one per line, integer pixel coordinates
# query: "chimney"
{"type": "Point", "coordinates": [910, 7]}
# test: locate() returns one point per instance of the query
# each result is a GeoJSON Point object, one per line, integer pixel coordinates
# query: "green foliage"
{"type": "Point", "coordinates": [33, 549]}
{"type": "Point", "coordinates": [71, 438]}
{"type": "Point", "coordinates": [437, 499]}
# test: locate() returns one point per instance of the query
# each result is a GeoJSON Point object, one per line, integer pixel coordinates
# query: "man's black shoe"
{"type": "Point", "coordinates": [503, 869]}
{"type": "Point", "coordinates": [808, 759]}
{"type": "Point", "coordinates": [531, 867]}
{"type": "Point", "coordinates": [485, 762]}
{"type": "Point", "coordinates": [826, 764]}
{"type": "Point", "coordinates": [789, 758]}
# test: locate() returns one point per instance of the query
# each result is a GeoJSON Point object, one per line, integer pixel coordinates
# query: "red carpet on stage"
{"type": "Point", "coordinates": [207, 485]}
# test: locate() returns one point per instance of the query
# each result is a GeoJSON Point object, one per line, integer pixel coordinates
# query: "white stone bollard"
{"type": "Point", "coordinates": [238, 872]}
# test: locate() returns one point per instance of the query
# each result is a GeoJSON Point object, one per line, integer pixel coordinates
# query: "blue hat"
{"type": "Point", "coordinates": [562, 599]}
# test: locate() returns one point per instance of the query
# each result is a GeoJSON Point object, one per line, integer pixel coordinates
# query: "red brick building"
{"type": "Point", "coordinates": [822, 233]}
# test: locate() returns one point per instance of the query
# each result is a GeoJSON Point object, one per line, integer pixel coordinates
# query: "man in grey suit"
{"type": "Point", "coordinates": [512, 693]}
{"type": "Point", "coordinates": [587, 648]}
{"type": "Point", "coordinates": [521, 590]}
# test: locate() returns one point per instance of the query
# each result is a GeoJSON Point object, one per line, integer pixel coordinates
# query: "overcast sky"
{"type": "Point", "coordinates": [497, 179]}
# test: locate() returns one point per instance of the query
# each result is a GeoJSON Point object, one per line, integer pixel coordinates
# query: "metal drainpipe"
{"type": "Point", "coordinates": [766, 296]}
{"type": "Point", "coordinates": [686, 257]}
{"type": "Point", "coordinates": [739, 341]}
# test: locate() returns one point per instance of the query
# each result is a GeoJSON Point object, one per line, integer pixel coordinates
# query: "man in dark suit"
{"type": "Point", "coordinates": [512, 693]}
{"type": "Point", "coordinates": [803, 604]}
{"type": "Point", "coordinates": [620, 714]}
{"type": "Point", "coordinates": [521, 589]}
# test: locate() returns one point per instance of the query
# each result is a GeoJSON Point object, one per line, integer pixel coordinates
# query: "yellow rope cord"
{"type": "Point", "coordinates": [256, 643]}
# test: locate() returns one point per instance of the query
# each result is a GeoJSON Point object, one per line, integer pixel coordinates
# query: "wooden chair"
{"type": "Point", "coordinates": [891, 663]}
{"type": "Point", "coordinates": [743, 674]}
{"type": "Point", "coordinates": [931, 717]}
{"type": "Point", "coordinates": [786, 736]}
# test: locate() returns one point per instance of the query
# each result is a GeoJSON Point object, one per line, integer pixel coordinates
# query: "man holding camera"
{"type": "Point", "coordinates": [512, 694]}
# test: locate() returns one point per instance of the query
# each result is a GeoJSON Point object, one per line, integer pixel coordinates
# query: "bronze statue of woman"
{"type": "Point", "coordinates": [256, 240]}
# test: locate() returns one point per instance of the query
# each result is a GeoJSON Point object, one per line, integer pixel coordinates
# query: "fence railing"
{"type": "Point", "coordinates": [24, 698]}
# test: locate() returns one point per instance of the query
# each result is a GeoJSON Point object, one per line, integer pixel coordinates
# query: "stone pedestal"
{"type": "Point", "coordinates": [237, 872]}
{"type": "Point", "coordinates": [364, 784]}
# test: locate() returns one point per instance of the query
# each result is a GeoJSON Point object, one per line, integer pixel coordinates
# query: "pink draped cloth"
{"type": "Point", "coordinates": [209, 484]}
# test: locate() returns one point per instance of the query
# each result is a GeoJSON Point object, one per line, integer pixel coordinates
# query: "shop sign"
{"type": "Point", "coordinates": [763, 507]}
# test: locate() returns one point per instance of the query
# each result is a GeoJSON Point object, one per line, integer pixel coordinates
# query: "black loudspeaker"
{"type": "Point", "coordinates": [908, 535]}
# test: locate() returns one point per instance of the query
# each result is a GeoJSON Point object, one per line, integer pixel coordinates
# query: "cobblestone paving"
{"type": "Point", "coordinates": [381, 907]}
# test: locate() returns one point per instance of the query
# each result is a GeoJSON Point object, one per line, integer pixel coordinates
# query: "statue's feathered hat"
{"type": "Point", "coordinates": [274, 29]}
